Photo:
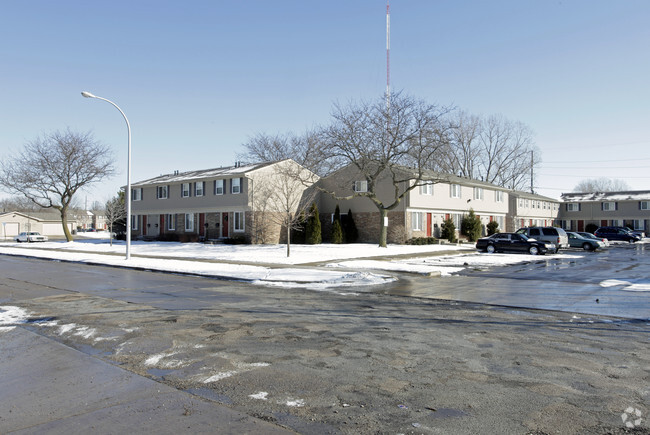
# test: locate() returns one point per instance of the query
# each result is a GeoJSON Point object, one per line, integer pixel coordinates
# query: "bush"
{"type": "Point", "coordinates": [236, 240]}
{"type": "Point", "coordinates": [313, 234]}
{"type": "Point", "coordinates": [422, 241]}
{"type": "Point", "coordinates": [470, 226]}
{"type": "Point", "coordinates": [448, 230]}
{"type": "Point", "coordinates": [350, 228]}
{"type": "Point", "coordinates": [492, 228]}
{"type": "Point", "coordinates": [337, 233]}
{"type": "Point", "coordinates": [591, 228]}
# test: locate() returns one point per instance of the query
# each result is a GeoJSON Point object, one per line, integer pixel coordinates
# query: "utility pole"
{"type": "Point", "coordinates": [387, 55]}
{"type": "Point", "coordinates": [532, 161]}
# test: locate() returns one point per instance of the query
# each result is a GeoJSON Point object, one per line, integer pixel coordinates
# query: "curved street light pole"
{"type": "Point", "coordinates": [128, 174]}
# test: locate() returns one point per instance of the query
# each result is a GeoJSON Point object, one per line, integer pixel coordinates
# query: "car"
{"type": "Point", "coordinates": [501, 242]}
{"type": "Point", "coordinates": [31, 236]}
{"type": "Point", "coordinates": [556, 236]}
{"type": "Point", "coordinates": [591, 236]}
{"type": "Point", "coordinates": [578, 241]}
{"type": "Point", "coordinates": [617, 233]}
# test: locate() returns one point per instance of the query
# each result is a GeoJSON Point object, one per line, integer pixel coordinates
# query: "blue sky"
{"type": "Point", "coordinates": [197, 78]}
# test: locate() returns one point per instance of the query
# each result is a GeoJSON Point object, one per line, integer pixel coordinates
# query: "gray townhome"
{"type": "Point", "coordinates": [239, 201]}
{"type": "Point", "coordinates": [629, 208]}
{"type": "Point", "coordinates": [530, 209]}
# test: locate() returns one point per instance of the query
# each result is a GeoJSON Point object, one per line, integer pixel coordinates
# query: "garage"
{"type": "Point", "coordinates": [11, 229]}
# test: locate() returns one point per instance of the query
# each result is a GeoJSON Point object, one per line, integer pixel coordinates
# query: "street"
{"type": "Point", "coordinates": [373, 360]}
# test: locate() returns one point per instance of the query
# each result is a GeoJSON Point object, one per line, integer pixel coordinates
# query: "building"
{"type": "Point", "coordinates": [596, 209]}
{"type": "Point", "coordinates": [46, 223]}
{"type": "Point", "coordinates": [529, 209]}
{"type": "Point", "coordinates": [421, 211]}
{"type": "Point", "coordinates": [241, 201]}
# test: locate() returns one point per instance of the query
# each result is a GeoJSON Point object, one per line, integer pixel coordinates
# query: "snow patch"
{"type": "Point", "coordinates": [10, 315]}
{"type": "Point", "coordinates": [627, 285]}
{"type": "Point", "coordinates": [262, 395]}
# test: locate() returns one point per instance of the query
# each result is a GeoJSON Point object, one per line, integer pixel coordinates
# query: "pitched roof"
{"type": "Point", "coordinates": [630, 195]}
{"type": "Point", "coordinates": [227, 171]}
{"type": "Point", "coordinates": [533, 196]}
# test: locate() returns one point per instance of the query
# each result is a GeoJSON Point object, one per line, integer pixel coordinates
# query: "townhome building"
{"type": "Point", "coordinates": [227, 202]}
{"type": "Point", "coordinates": [45, 222]}
{"type": "Point", "coordinates": [596, 209]}
{"type": "Point", "coordinates": [530, 209]}
{"type": "Point", "coordinates": [422, 210]}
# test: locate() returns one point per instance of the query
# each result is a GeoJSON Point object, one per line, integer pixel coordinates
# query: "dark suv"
{"type": "Point", "coordinates": [554, 235]}
{"type": "Point", "coordinates": [617, 233]}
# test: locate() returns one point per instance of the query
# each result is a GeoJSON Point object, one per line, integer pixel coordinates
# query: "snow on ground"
{"type": "Point", "coordinates": [10, 316]}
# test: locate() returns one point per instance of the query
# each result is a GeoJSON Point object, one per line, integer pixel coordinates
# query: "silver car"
{"type": "Point", "coordinates": [554, 235]}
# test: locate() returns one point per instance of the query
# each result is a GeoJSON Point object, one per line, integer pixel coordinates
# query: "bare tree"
{"type": "Point", "coordinates": [18, 203]}
{"type": "Point", "coordinates": [115, 212]}
{"type": "Point", "coordinates": [602, 184]}
{"type": "Point", "coordinates": [50, 170]}
{"type": "Point", "coordinates": [393, 143]}
{"type": "Point", "coordinates": [280, 197]}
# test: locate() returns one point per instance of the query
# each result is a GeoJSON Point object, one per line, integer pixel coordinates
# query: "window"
{"type": "Point", "coordinates": [218, 187]}
{"type": "Point", "coordinates": [454, 190]}
{"type": "Point", "coordinates": [239, 220]}
{"type": "Point", "coordinates": [360, 186]}
{"type": "Point", "coordinates": [478, 193]}
{"type": "Point", "coordinates": [527, 203]}
{"type": "Point", "coordinates": [609, 206]}
{"type": "Point", "coordinates": [185, 190]}
{"type": "Point", "coordinates": [616, 223]}
{"type": "Point", "coordinates": [426, 188]}
{"type": "Point", "coordinates": [189, 221]}
{"type": "Point", "coordinates": [644, 205]}
{"type": "Point", "coordinates": [639, 224]}
{"type": "Point", "coordinates": [498, 196]}
{"type": "Point", "coordinates": [416, 221]}
{"type": "Point", "coordinates": [572, 206]}
{"type": "Point", "coordinates": [521, 202]}
{"type": "Point", "coordinates": [171, 222]}
{"type": "Point", "coordinates": [134, 222]}
{"type": "Point", "coordinates": [136, 194]}
{"type": "Point", "coordinates": [162, 192]}
{"type": "Point", "coordinates": [199, 188]}
{"type": "Point", "coordinates": [236, 185]}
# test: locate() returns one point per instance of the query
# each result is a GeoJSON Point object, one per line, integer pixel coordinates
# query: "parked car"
{"type": "Point", "coordinates": [31, 236]}
{"type": "Point", "coordinates": [617, 233]}
{"type": "Point", "coordinates": [513, 242]}
{"type": "Point", "coordinates": [639, 233]}
{"type": "Point", "coordinates": [591, 236]}
{"type": "Point", "coordinates": [588, 244]}
{"type": "Point", "coordinates": [556, 236]}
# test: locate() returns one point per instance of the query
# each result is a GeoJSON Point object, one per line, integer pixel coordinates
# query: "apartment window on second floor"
{"type": "Point", "coordinates": [236, 185]}
{"type": "Point", "coordinates": [454, 190]}
{"type": "Point", "coordinates": [644, 205]}
{"type": "Point", "coordinates": [185, 190]}
{"type": "Point", "coordinates": [426, 188]}
{"type": "Point", "coordinates": [478, 193]}
{"type": "Point", "coordinates": [360, 186]}
{"type": "Point", "coordinates": [609, 206]}
{"type": "Point", "coordinates": [199, 188]}
{"type": "Point", "coordinates": [218, 187]}
{"type": "Point", "coordinates": [136, 194]}
{"type": "Point", "coordinates": [573, 206]}
{"type": "Point", "coordinates": [162, 192]}
{"type": "Point", "coordinates": [498, 195]}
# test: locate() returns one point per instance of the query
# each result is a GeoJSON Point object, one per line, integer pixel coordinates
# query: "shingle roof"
{"type": "Point", "coordinates": [631, 195]}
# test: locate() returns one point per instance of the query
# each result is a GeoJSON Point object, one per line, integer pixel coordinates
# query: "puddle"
{"type": "Point", "coordinates": [209, 394]}
{"type": "Point", "coordinates": [159, 373]}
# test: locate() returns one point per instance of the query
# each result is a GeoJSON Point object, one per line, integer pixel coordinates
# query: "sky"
{"type": "Point", "coordinates": [197, 79]}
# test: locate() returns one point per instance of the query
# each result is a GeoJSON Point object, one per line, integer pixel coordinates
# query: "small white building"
{"type": "Point", "coordinates": [46, 223]}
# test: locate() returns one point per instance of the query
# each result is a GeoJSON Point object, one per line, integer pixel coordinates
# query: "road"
{"type": "Point", "coordinates": [372, 361]}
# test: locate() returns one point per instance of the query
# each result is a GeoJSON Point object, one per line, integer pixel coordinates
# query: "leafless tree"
{"type": "Point", "coordinates": [115, 213]}
{"type": "Point", "coordinates": [602, 184]}
{"type": "Point", "coordinates": [381, 142]}
{"type": "Point", "coordinates": [280, 197]}
{"type": "Point", "coordinates": [18, 203]}
{"type": "Point", "coordinates": [50, 170]}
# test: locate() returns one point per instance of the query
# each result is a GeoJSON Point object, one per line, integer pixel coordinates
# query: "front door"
{"type": "Point", "coordinates": [429, 225]}
{"type": "Point", "coordinates": [201, 224]}
{"type": "Point", "coordinates": [144, 225]}
{"type": "Point", "coordinates": [224, 224]}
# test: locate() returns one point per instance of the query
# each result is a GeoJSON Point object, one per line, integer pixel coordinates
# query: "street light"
{"type": "Point", "coordinates": [128, 174]}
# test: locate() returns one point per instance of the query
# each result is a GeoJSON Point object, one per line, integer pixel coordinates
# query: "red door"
{"type": "Point", "coordinates": [429, 229]}
{"type": "Point", "coordinates": [162, 224]}
{"type": "Point", "coordinates": [581, 225]}
{"type": "Point", "coordinates": [201, 224]}
{"type": "Point", "coordinates": [144, 225]}
{"type": "Point", "coordinates": [603, 223]}
{"type": "Point", "coordinates": [224, 224]}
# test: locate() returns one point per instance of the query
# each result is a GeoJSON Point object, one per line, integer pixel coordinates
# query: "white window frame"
{"type": "Point", "coordinates": [189, 222]}
{"type": "Point", "coordinates": [644, 205]}
{"type": "Point", "coordinates": [360, 186]}
{"type": "Point", "coordinates": [616, 223]}
{"type": "Point", "coordinates": [455, 191]}
{"type": "Point", "coordinates": [572, 206]}
{"type": "Point", "coordinates": [134, 222]}
{"type": "Point", "coordinates": [160, 190]}
{"type": "Point", "coordinates": [498, 196]}
{"type": "Point", "coordinates": [136, 194]}
{"type": "Point", "coordinates": [186, 190]}
{"type": "Point", "coordinates": [426, 188]}
{"type": "Point", "coordinates": [199, 188]}
{"type": "Point", "coordinates": [219, 187]}
{"type": "Point", "coordinates": [639, 224]}
{"type": "Point", "coordinates": [171, 222]}
{"type": "Point", "coordinates": [235, 186]}
{"type": "Point", "coordinates": [478, 193]}
{"type": "Point", "coordinates": [239, 224]}
{"type": "Point", "coordinates": [417, 218]}
{"type": "Point", "coordinates": [609, 205]}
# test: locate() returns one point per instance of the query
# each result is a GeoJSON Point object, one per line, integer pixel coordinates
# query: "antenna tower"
{"type": "Point", "coordinates": [387, 54]}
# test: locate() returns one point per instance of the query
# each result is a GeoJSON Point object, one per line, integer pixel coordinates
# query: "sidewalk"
{"type": "Point", "coordinates": [50, 388]}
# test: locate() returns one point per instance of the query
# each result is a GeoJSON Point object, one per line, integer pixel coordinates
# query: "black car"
{"type": "Point", "coordinates": [617, 233]}
{"type": "Point", "coordinates": [513, 242]}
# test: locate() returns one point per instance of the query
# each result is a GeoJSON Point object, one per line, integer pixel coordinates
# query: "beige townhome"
{"type": "Point", "coordinates": [531, 210]}
{"type": "Point", "coordinates": [422, 210]}
{"type": "Point", "coordinates": [596, 209]}
{"type": "Point", "coordinates": [241, 201]}
{"type": "Point", "coordinates": [44, 222]}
